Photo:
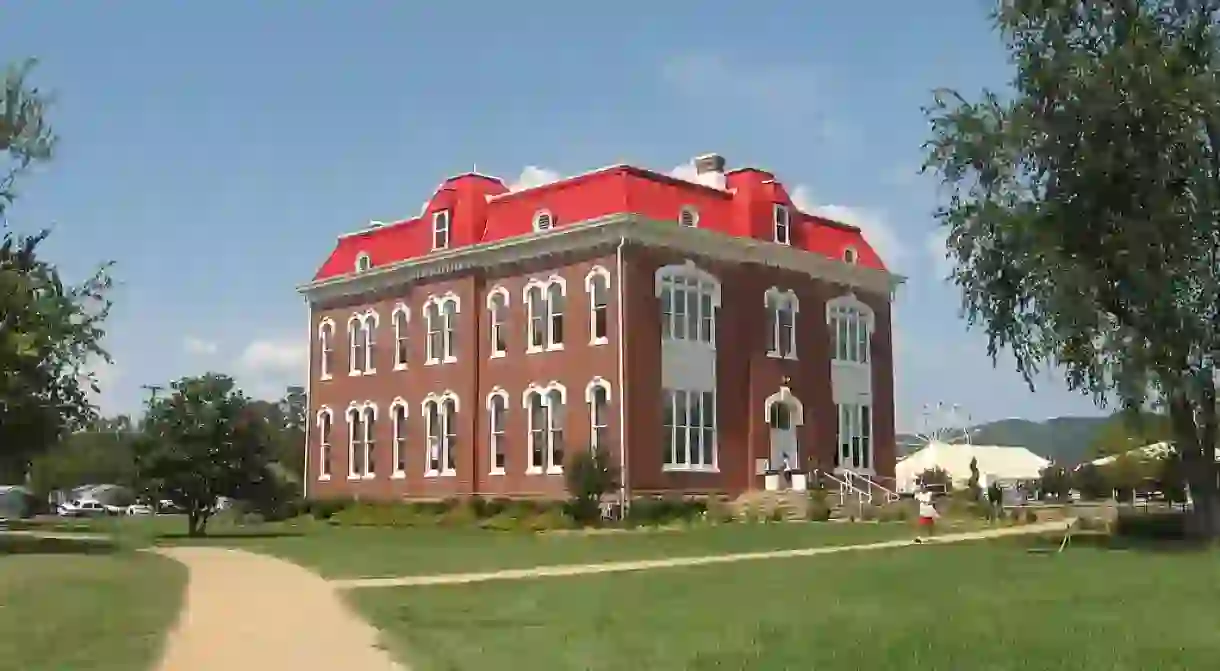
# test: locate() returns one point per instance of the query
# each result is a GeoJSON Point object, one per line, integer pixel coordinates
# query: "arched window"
{"type": "Point", "coordinates": [398, 415]}
{"type": "Point", "coordinates": [440, 416]}
{"type": "Point", "coordinates": [497, 312]}
{"type": "Point", "coordinates": [440, 318]}
{"type": "Point", "coordinates": [402, 324]}
{"type": "Point", "coordinates": [688, 217]}
{"type": "Point", "coordinates": [850, 255]}
{"type": "Point", "coordinates": [544, 302]}
{"type": "Point", "coordinates": [326, 348]}
{"type": "Point", "coordinates": [597, 395]}
{"type": "Point", "coordinates": [851, 325]}
{"type": "Point", "coordinates": [497, 411]}
{"type": "Point", "coordinates": [363, 262]}
{"type": "Point", "coordinates": [361, 444]}
{"type": "Point", "coordinates": [782, 308]}
{"type": "Point", "coordinates": [356, 356]}
{"type": "Point", "coordinates": [326, 428]}
{"type": "Point", "coordinates": [545, 406]}
{"type": "Point", "coordinates": [597, 284]}
{"type": "Point", "coordinates": [689, 297]}
{"type": "Point", "coordinates": [543, 220]}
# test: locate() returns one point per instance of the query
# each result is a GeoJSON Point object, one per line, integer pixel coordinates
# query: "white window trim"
{"type": "Point", "coordinates": [438, 218]}
{"type": "Point", "coordinates": [541, 215]}
{"type": "Point", "coordinates": [326, 441]}
{"type": "Point", "coordinates": [701, 468]}
{"type": "Point", "coordinates": [782, 213]}
{"type": "Point", "coordinates": [492, 325]}
{"type": "Point", "coordinates": [448, 331]}
{"type": "Point", "coordinates": [369, 324]}
{"type": "Point", "coordinates": [326, 348]}
{"type": "Point", "coordinates": [364, 262]}
{"type": "Point", "coordinates": [355, 333]}
{"type": "Point", "coordinates": [447, 470]}
{"type": "Point", "coordinates": [370, 421]}
{"type": "Point", "coordinates": [594, 273]}
{"type": "Point", "coordinates": [594, 384]}
{"type": "Point", "coordinates": [405, 311]}
{"type": "Point", "coordinates": [774, 301]}
{"type": "Point", "coordinates": [496, 393]}
{"type": "Point", "coordinates": [694, 216]}
{"type": "Point", "coordinates": [365, 410]}
{"type": "Point", "coordinates": [548, 313]}
{"type": "Point", "coordinates": [689, 271]}
{"type": "Point", "coordinates": [849, 301]}
{"type": "Point", "coordinates": [855, 431]}
{"type": "Point", "coordinates": [395, 452]}
{"type": "Point", "coordinates": [853, 252]}
{"type": "Point", "coordinates": [550, 467]}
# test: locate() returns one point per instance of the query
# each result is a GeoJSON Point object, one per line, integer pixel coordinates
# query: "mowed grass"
{"type": "Point", "coordinates": [345, 552]}
{"type": "Point", "coordinates": [62, 609]}
{"type": "Point", "coordinates": [984, 605]}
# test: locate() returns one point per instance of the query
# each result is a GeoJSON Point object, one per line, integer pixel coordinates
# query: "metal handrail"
{"type": "Point", "coordinates": [846, 488]}
{"type": "Point", "coordinates": [890, 495]}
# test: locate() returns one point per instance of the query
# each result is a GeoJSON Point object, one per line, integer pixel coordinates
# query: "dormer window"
{"type": "Point", "coordinates": [543, 220]}
{"type": "Point", "coordinates": [783, 225]}
{"type": "Point", "coordinates": [363, 262]}
{"type": "Point", "coordinates": [688, 217]}
{"type": "Point", "coordinates": [440, 230]}
{"type": "Point", "coordinates": [850, 256]}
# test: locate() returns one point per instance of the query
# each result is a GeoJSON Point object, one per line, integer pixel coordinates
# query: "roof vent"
{"type": "Point", "coordinates": [709, 163]}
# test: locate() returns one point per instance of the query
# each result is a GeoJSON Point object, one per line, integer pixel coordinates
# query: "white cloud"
{"type": "Point", "coordinates": [268, 366]}
{"type": "Point", "coordinates": [872, 223]}
{"type": "Point", "coordinates": [532, 176]}
{"type": "Point", "coordinates": [199, 346]}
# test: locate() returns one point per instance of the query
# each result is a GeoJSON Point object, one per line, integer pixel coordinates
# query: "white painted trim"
{"type": "Point", "coordinates": [437, 218]}
{"type": "Point", "coordinates": [405, 311]}
{"type": "Point", "coordinates": [543, 215]}
{"type": "Point", "coordinates": [781, 211]}
{"type": "Point", "coordinates": [605, 231]}
{"type": "Point", "coordinates": [497, 290]}
{"type": "Point", "coordinates": [364, 262]}
{"type": "Point", "coordinates": [439, 400]}
{"type": "Point", "coordinates": [398, 402]}
{"type": "Point", "coordinates": [309, 398]}
{"type": "Point", "coordinates": [624, 489]}
{"type": "Point", "coordinates": [687, 468]}
{"type": "Point", "coordinates": [850, 255]}
{"type": "Point", "coordinates": [590, 289]}
{"type": "Point", "coordinates": [687, 269]}
{"type": "Point", "coordinates": [785, 396]}
{"type": "Point", "coordinates": [326, 345]}
{"type": "Point", "coordinates": [329, 441]}
{"type": "Point", "coordinates": [596, 383]}
{"type": "Point", "coordinates": [776, 301]}
{"type": "Point", "coordinates": [693, 212]}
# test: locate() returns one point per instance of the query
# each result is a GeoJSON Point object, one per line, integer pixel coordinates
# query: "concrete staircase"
{"type": "Point", "coordinates": [786, 505]}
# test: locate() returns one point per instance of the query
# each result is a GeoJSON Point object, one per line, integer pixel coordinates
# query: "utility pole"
{"type": "Point", "coordinates": [153, 390]}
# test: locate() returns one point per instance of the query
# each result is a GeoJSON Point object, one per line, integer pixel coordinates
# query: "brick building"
{"type": "Point", "coordinates": [706, 331]}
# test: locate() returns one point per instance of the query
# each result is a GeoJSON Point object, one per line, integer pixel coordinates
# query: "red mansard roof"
{"type": "Point", "coordinates": [482, 209]}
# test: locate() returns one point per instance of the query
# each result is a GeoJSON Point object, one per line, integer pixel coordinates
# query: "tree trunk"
{"type": "Point", "coordinates": [1198, 454]}
{"type": "Point", "coordinates": [197, 522]}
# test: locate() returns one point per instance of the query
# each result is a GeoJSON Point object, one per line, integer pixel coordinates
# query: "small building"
{"type": "Point", "coordinates": [1004, 465]}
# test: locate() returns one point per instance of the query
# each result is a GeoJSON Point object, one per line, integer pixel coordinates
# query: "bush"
{"type": "Point", "coordinates": [501, 522]}
{"type": "Point", "coordinates": [896, 511]}
{"type": "Point", "coordinates": [463, 515]}
{"type": "Point", "coordinates": [324, 509]}
{"type": "Point", "coordinates": [719, 511]}
{"type": "Point", "coordinates": [664, 510]}
{"type": "Point", "coordinates": [819, 508]}
{"type": "Point", "coordinates": [549, 520]}
{"type": "Point", "coordinates": [1031, 516]}
{"type": "Point", "coordinates": [589, 475]}
{"type": "Point", "coordinates": [1151, 526]}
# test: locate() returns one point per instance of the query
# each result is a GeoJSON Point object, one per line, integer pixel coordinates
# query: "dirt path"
{"type": "Point", "coordinates": [618, 567]}
{"type": "Point", "coordinates": [250, 611]}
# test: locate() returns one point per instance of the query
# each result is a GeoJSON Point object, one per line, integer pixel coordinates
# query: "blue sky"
{"type": "Point", "coordinates": [214, 150]}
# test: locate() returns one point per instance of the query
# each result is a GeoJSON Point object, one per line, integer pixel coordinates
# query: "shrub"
{"type": "Point", "coordinates": [324, 509]}
{"type": "Point", "coordinates": [462, 515]}
{"type": "Point", "coordinates": [664, 510]}
{"type": "Point", "coordinates": [548, 520]}
{"type": "Point", "coordinates": [589, 475]}
{"type": "Point", "coordinates": [819, 509]}
{"type": "Point", "coordinates": [1151, 526]}
{"type": "Point", "coordinates": [896, 511]}
{"type": "Point", "coordinates": [494, 507]}
{"type": "Point", "coordinates": [867, 513]}
{"type": "Point", "coordinates": [1031, 516]}
{"type": "Point", "coordinates": [719, 511]}
{"type": "Point", "coordinates": [501, 522]}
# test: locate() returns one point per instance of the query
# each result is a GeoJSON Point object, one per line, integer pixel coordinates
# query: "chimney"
{"type": "Point", "coordinates": [709, 163]}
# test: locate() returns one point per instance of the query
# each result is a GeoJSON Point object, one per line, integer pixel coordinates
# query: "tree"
{"type": "Point", "coordinates": [49, 330]}
{"type": "Point", "coordinates": [589, 475]}
{"type": "Point", "coordinates": [203, 441]}
{"type": "Point", "coordinates": [1054, 482]}
{"type": "Point", "coordinates": [98, 455]}
{"type": "Point", "coordinates": [1081, 208]}
{"type": "Point", "coordinates": [973, 483]}
{"type": "Point", "coordinates": [1091, 482]}
{"type": "Point", "coordinates": [1126, 431]}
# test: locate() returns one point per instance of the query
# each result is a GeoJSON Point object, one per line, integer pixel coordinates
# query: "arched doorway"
{"type": "Point", "coordinates": [784, 414]}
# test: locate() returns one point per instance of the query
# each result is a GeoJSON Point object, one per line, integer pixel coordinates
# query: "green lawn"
{"type": "Point", "coordinates": [972, 606]}
{"type": "Point", "coordinates": [63, 610]}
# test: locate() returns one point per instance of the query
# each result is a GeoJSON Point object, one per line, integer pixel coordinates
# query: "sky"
{"type": "Point", "coordinates": [214, 150]}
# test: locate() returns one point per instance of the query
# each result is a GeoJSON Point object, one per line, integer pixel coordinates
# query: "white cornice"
{"type": "Point", "coordinates": [594, 233]}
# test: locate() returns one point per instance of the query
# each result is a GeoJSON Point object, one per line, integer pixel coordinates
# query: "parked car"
{"type": "Point", "coordinates": [83, 509]}
{"type": "Point", "coordinates": [140, 509]}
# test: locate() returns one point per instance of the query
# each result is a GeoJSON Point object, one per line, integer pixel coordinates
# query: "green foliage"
{"type": "Point", "coordinates": [1091, 482]}
{"type": "Point", "coordinates": [664, 510]}
{"type": "Point", "coordinates": [1081, 207]}
{"type": "Point", "coordinates": [1130, 430]}
{"type": "Point", "coordinates": [202, 442]}
{"type": "Point", "coordinates": [1151, 526]}
{"type": "Point", "coordinates": [25, 133]}
{"type": "Point", "coordinates": [94, 456]}
{"type": "Point", "coordinates": [589, 475]}
{"type": "Point", "coordinates": [1055, 481]}
{"type": "Point", "coordinates": [818, 509]}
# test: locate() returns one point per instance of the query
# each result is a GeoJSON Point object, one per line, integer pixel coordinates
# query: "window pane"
{"type": "Point", "coordinates": [679, 323]}
{"type": "Point", "coordinates": [692, 316]}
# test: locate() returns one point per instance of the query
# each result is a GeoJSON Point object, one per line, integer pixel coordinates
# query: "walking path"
{"type": "Point", "coordinates": [250, 611]}
{"type": "Point", "coordinates": [618, 567]}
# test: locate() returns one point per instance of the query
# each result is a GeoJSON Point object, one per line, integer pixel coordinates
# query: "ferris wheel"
{"type": "Point", "coordinates": [944, 423]}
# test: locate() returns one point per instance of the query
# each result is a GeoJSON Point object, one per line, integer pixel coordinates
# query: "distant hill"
{"type": "Point", "coordinates": [1064, 440]}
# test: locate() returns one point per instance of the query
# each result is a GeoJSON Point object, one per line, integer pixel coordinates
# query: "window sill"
{"type": "Point", "coordinates": [776, 355]}
{"type": "Point", "coordinates": [497, 355]}
{"type": "Point", "coordinates": [325, 477]}
{"type": "Point", "coordinates": [599, 341]}
{"type": "Point", "coordinates": [369, 476]}
{"type": "Point", "coordinates": [449, 359]}
{"type": "Point", "coordinates": [534, 350]}
{"type": "Point", "coordinates": [431, 474]}
{"type": "Point", "coordinates": [690, 469]}
{"type": "Point", "coordinates": [398, 475]}
{"type": "Point", "coordinates": [851, 364]}
{"type": "Point", "coordinates": [496, 471]}
{"type": "Point", "coordinates": [400, 366]}
{"type": "Point", "coordinates": [449, 473]}
{"type": "Point", "coordinates": [533, 470]}
{"type": "Point", "coordinates": [555, 348]}
{"type": "Point", "coordinates": [431, 362]}
{"type": "Point", "coordinates": [355, 373]}
{"type": "Point", "coordinates": [325, 376]}
{"type": "Point", "coordinates": [555, 470]}
{"type": "Point", "coordinates": [370, 371]}
{"type": "Point", "coordinates": [352, 477]}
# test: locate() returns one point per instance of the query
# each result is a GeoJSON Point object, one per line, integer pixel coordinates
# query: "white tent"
{"type": "Point", "coordinates": [995, 463]}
